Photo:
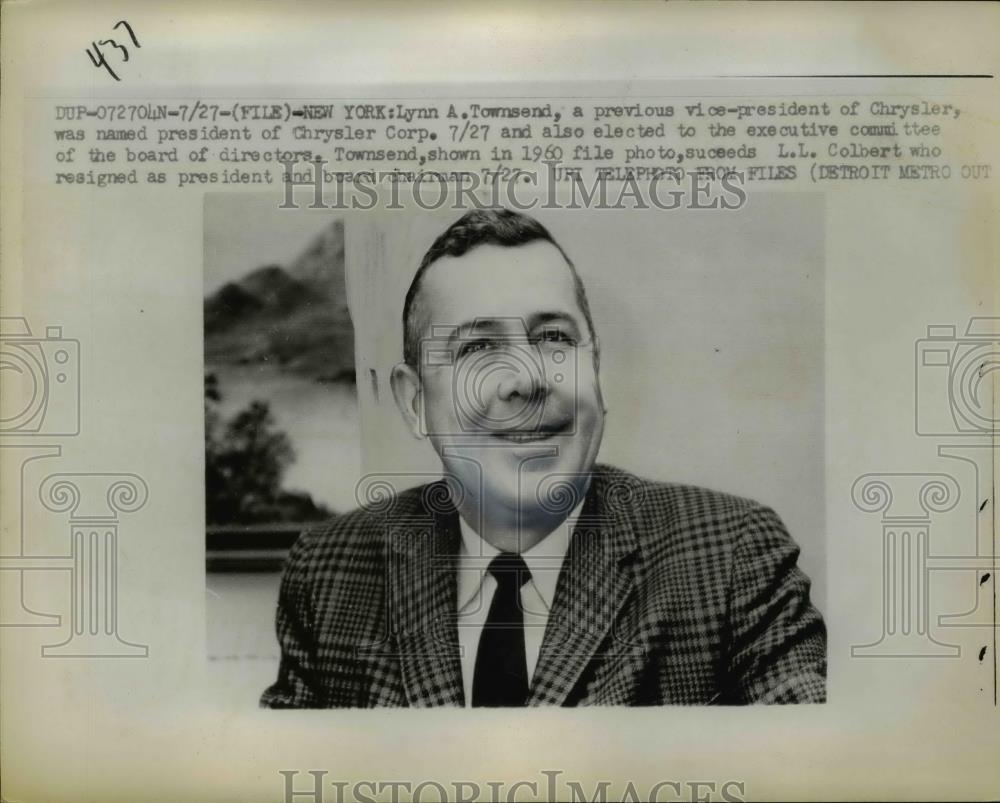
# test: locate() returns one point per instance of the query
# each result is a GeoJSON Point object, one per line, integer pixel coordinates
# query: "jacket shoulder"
{"type": "Point", "coordinates": [352, 539]}
{"type": "Point", "coordinates": [683, 516]}
{"type": "Point", "coordinates": [671, 501]}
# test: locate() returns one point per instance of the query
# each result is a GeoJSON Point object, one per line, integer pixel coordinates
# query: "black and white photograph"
{"type": "Point", "coordinates": [441, 401]}
{"type": "Point", "coordinates": [592, 455]}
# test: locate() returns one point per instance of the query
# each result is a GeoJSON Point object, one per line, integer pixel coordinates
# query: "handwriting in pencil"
{"type": "Point", "coordinates": [97, 56]}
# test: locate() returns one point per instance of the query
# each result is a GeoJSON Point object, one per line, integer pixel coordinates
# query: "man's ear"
{"type": "Point", "coordinates": [597, 375]}
{"type": "Point", "coordinates": [406, 390]}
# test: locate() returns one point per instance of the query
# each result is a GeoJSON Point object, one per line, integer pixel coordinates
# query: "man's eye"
{"type": "Point", "coordinates": [470, 347]}
{"type": "Point", "coordinates": [558, 336]}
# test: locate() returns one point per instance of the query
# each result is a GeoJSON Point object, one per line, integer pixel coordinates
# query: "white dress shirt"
{"type": "Point", "coordinates": [476, 587]}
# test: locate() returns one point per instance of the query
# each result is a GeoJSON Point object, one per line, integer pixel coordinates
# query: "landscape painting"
{"type": "Point", "coordinates": [282, 433]}
{"type": "Point", "coordinates": [281, 421]}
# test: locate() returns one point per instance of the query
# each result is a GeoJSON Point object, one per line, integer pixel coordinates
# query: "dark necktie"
{"type": "Point", "coordinates": [501, 676]}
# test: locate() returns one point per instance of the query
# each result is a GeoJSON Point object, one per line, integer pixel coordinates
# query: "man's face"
{"type": "Point", "coordinates": [508, 391]}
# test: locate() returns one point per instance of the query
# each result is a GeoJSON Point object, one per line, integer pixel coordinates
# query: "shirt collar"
{"type": "Point", "coordinates": [544, 559]}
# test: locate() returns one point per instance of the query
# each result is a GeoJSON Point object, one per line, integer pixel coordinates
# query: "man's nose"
{"type": "Point", "coordinates": [524, 380]}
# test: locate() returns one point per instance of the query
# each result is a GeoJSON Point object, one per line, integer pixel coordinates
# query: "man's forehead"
{"type": "Point", "coordinates": [492, 281]}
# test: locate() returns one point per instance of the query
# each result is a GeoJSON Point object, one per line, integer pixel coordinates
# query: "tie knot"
{"type": "Point", "coordinates": [510, 570]}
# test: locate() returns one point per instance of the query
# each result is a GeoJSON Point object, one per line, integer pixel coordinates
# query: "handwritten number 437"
{"type": "Point", "coordinates": [97, 56]}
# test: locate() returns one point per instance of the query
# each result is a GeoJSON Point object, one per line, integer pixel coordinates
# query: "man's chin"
{"type": "Point", "coordinates": [511, 473]}
{"type": "Point", "coordinates": [500, 506]}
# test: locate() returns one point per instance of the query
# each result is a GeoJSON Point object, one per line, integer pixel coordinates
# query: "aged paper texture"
{"type": "Point", "coordinates": [689, 312]}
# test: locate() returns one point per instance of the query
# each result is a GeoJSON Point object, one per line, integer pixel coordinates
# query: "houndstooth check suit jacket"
{"type": "Point", "coordinates": [669, 594]}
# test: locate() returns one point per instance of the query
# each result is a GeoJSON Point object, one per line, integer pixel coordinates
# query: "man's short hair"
{"type": "Point", "coordinates": [502, 227]}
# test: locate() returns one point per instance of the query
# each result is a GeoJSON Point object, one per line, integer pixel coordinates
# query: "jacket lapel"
{"type": "Point", "coordinates": [422, 592]}
{"type": "Point", "coordinates": [593, 586]}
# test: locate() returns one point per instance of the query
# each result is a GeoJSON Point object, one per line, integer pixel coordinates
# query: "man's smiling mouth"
{"type": "Point", "coordinates": [533, 435]}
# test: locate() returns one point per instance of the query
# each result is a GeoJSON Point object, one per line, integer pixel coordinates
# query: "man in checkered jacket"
{"type": "Point", "coordinates": [529, 574]}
